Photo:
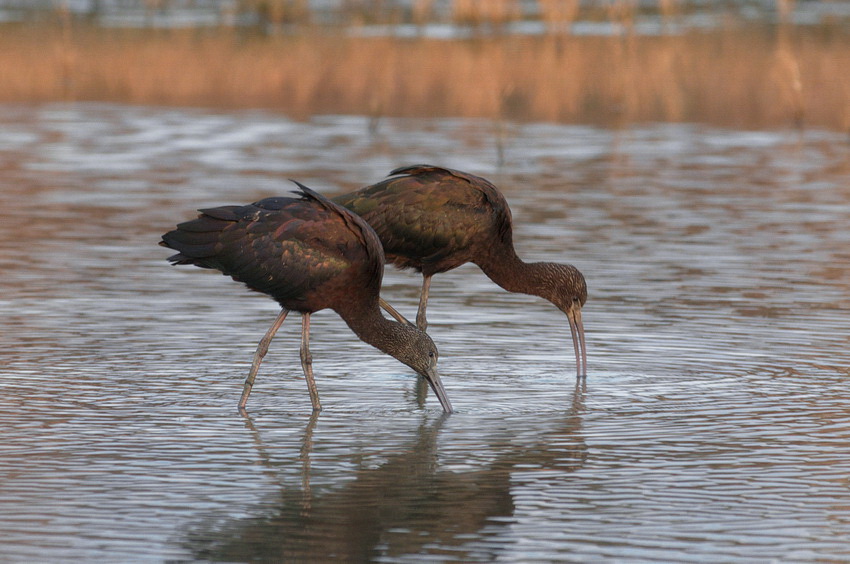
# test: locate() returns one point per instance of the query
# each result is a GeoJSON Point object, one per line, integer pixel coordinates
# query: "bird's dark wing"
{"type": "Point", "coordinates": [358, 227]}
{"type": "Point", "coordinates": [494, 198]}
{"type": "Point", "coordinates": [430, 217]}
{"type": "Point", "coordinates": [285, 247]}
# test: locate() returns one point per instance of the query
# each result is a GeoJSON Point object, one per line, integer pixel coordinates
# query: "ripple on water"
{"type": "Point", "coordinates": [713, 424]}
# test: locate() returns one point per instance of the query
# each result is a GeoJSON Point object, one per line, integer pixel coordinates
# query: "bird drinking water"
{"type": "Point", "coordinates": [308, 254]}
{"type": "Point", "coordinates": [434, 219]}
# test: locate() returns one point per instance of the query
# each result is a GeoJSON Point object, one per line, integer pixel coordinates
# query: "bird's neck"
{"type": "Point", "coordinates": [370, 326]}
{"type": "Point", "coordinates": [510, 272]}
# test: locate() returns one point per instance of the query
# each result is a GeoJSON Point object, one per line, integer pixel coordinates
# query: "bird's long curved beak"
{"type": "Point", "coordinates": [434, 381]}
{"type": "Point", "coordinates": [577, 331]}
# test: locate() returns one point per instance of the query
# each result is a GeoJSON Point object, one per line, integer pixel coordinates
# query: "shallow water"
{"type": "Point", "coordinates": [714, 424]}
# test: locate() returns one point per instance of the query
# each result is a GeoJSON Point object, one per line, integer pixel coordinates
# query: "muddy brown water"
{"type": "Point", "coordinates": [714, 424]}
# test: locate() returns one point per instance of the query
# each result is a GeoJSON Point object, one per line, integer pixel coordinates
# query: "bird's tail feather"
{"type": "Point", "coordinates": [195, 240]}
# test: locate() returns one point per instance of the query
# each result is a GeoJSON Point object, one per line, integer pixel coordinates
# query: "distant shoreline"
{"type": "Point", "coordinates": [750, 77]}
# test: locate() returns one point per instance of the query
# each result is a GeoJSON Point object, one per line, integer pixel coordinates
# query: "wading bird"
{"type": "Point", "coordinates": [308, 254]}
{"type": "Point", "coordinates": [435, 219]}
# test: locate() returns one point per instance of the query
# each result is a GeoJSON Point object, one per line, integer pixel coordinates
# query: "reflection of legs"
{"type": "Point", "coordinates": [307, 362]}
{"type": "Point", "coordinates": [306, 451]}
{"type": "Point", "coordinates": [421, 322]}
{"type": "Point", "coordinates": [262, 349]}
{"type": "Point", "coordinates": [421, 391]}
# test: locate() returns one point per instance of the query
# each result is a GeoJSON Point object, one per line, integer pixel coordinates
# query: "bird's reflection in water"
{"type": "Point", "coordinates": [407, 505]}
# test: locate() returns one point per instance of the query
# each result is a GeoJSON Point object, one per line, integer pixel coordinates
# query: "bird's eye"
{"type": "Point", "coordinates": [431, 354]}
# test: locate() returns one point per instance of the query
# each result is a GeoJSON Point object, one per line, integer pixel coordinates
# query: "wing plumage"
{"type": "Point", "coordinates": [303, 251]}
{"type": "Point", "coordinates": [432, 218]}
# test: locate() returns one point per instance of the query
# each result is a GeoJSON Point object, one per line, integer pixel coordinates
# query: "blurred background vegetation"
{"type": "Point", "coordinates": [736, 63]}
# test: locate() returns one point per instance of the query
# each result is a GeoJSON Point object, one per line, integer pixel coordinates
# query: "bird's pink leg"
{"type": "Point", "coordinates": [421, 322]}
{"type": "Point", "coordinates": [307, 362]}
{"type": "Point", "coordinates": [262, 349]}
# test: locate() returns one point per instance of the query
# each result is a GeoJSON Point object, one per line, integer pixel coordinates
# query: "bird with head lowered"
{"type": "Point", "coordinates": [308, 254]}
{"type": "Point", "coordinates": [434, 219]}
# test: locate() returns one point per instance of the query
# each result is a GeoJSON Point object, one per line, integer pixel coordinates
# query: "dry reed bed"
{"type": "Point", "coordinates": [750, 78]}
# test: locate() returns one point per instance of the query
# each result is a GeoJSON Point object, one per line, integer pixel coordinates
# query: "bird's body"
{"type": "Point", "coordinates": [302, 254]}
{"type": "Point", "coordinates": [435, 219]}
{"type": "Point", "coordinates": [308, 254]}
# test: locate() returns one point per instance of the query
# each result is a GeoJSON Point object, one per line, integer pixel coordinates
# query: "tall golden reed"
{"type": "Point", "coordinates": [752, 77]}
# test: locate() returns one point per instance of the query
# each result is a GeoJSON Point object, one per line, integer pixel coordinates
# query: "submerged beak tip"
{"type": "Point", "coordinates": [437, 385]}
{"type": "Point", "coordinates": [577, 332]}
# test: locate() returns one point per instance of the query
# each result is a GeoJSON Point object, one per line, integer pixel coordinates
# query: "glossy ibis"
{"type": "Point", "coordinates": [308, 254]}
{"type": "Point", "coordinates": [435, 219]}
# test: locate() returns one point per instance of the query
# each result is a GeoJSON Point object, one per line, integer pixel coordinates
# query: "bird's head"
{"type": "Point", "coordinates": [566, 288]}
{"type": "Point", "coordinates": [571, 288]}
{"type": "Point", "coordinates": [420, 353]}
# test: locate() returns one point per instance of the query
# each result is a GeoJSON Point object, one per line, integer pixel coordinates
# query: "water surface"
{"type": "Point", "coordinates": [714, 424]}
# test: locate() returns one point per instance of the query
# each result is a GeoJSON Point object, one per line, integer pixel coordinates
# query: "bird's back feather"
{"type": "Point", "coordinates": [433, 218]}
{"type": "Point", "coordinates": [307, 252]}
